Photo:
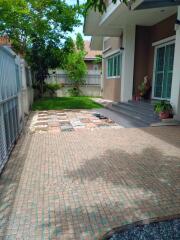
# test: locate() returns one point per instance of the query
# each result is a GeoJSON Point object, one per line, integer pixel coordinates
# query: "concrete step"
{"type": "Point", "coordinates": [134, 121]}
{"type": "Point", "coordinates": [131, 115]}
{"type": "Point", "coordinates": [144, 112]}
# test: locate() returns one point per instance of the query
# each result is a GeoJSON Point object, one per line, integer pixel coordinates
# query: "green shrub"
{"type": "Point", "coordinates": [74, 92]}
{"type": "Point", "coordinates": [52, 88]}
{"type": "Point", "coordinates": [163, 106]}
{"type": "Point", "coordinates": [75, 66]}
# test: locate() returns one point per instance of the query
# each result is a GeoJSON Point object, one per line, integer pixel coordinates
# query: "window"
{"type": "Point", "coordinates": [114, 65]}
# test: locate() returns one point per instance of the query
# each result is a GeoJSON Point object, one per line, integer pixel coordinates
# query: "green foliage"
{"type": "Point", "coordinates": [98, 59]}
{"type": "Point", "coordinates": [142, 88]}
{"type": "Point", "coordinates": [75, 66]}
{"type": "Point", "coordinates": [163, 106]}
{"type": "Point", "coordinates": [76, 70]}
{"type": "Point", "coordinates": [79, 42]}
{"type": "Point", "coordinates": [69, 45]}
{"type": "Point", "coordinates": [65, 103]}
{"type": "Point", "coordinates": [37, 30]}
{"type": "Point", "coordinates": [45, 19]}
{"type": "Point", "coordinates": [74, 92]}
{"type": "Point", "coordinates": [52, 88]}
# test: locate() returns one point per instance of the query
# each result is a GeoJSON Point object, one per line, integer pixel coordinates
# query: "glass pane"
{"type": "Point", "coordinates": [111, 67]}
{"type": "Point", "coordinates": [118, 65]}
{"type": "Point", "coordinates": [158, 85]}
{"type": "Point", "coordinates": [169, 84]}
{"type": "Point", "coordinates": [160, 59]}
{"type": "Point", "coordinates": [115, 66]}
{"type": "Point", "coordinates": [108, 68]}
{"type": "Point", "coordinates": [168, 69]}
{"type": "Point", "coordinates": [170, 56]}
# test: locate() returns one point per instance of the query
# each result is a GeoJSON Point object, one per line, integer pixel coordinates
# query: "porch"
{"type": "Point", "coordinates": [149, 46]}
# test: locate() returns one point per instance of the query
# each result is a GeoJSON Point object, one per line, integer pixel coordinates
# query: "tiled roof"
{"type": "Point", "coordinates": [4, 40]}
{"type": "Point", "coordinates": [90, 53]}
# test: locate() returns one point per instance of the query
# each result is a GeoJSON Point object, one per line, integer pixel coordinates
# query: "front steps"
{"type": "Point", "coordinates": [141, 114]}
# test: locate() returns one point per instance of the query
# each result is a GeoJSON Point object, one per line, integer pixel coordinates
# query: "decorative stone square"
{"type": "Point", "coordinates": [70, 120]}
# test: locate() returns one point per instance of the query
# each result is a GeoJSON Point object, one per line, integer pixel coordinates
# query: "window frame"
{"type": "Point", "coordinates": [114, 58]}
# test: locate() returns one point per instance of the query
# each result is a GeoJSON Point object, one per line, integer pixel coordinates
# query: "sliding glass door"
{"type": "Point", "coordinates": [164, 58]}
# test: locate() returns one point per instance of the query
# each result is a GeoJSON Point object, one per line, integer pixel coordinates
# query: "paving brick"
{"type": "Point", "coordinates": [80, 184]}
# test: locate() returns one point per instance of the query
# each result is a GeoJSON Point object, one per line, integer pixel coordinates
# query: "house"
{"type": "Point", "coordinates": [16, 96]}
{"type": "Point", "coordinates": [92, 85]}
{"type": "Point", "coordinates": [140, 40]}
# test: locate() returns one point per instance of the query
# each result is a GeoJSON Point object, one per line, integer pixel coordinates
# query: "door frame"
{"type": "Point", "coordinates": [154, 67]}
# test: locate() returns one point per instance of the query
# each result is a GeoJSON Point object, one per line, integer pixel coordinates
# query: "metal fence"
{"type": "Point", "coordinates": [9, 114]}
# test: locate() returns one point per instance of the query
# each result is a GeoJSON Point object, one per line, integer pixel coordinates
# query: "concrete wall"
{"type": "Point", "coordinates": [144, 51]}
{"type": "Point", "coordinates": [87, 90]}
{"type": "Point", "coordinates": [111, 86]}
{"type": "Point", "coordinates": [92, 87]}
{"type": "Point", "coordinates": [27, 93]}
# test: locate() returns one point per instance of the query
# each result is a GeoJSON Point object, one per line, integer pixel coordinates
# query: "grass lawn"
{"type": "Point", "coordinates": [65, 103]}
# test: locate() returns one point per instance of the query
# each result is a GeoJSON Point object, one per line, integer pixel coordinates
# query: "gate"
{"type": "Point", "coordinates": [9, 113]}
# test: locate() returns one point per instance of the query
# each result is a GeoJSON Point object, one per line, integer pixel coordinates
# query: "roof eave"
{"type": "Point", "coordinates": [147, 4]}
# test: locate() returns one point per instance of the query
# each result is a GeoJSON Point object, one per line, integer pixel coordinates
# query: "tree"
{"type": "Point", "coordinates": [41, 57]}
{"type": "Point", "coordinates": [100, 5]}
{"type": "Point", "coordinates": [75, 66]}
{"type": "Point", "coordinates": [79, 42]}
{"type": "Point", "coordinates": [37, 30]}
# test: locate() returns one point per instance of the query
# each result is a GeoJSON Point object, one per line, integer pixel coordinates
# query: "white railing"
{"type": "Point", "coordinates": [93, 78]}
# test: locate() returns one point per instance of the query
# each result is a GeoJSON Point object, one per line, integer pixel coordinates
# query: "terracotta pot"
{"type": "Point", "coordinates": [164, 115]}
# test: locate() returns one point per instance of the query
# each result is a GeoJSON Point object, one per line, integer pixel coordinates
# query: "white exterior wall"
{"type": "Point", "coordinates": [175, 90]}
{"type": "Point", "coordinates": [87, 90]}
{"type": "Point", "coordinates": [128, 63]}
{"type": "Point", "coordinates": [92, 86]}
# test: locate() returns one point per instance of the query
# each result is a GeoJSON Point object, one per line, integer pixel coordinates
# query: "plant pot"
{"type": "Point", "coordinates": [164, 115]}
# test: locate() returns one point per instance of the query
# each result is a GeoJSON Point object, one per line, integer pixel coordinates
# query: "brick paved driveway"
{"type": "Point", "coordinates": [78, 185]}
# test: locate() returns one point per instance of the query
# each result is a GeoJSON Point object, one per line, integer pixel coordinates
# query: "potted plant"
{"type": "Point", "coordinates": [164, 109]}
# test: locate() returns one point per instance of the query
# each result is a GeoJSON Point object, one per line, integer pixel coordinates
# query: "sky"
{"type": "Point", "coordinates": [80, 28]}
